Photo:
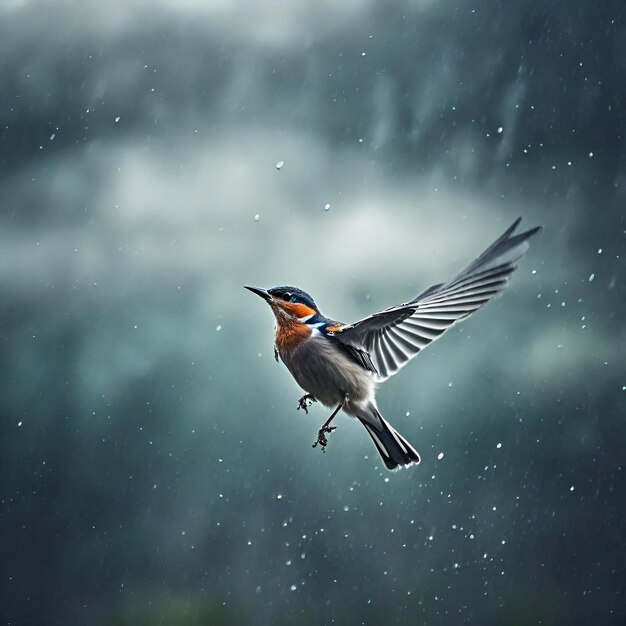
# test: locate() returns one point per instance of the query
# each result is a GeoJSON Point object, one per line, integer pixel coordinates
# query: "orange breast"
{"type": "Point", "coordinates": [290, 334]}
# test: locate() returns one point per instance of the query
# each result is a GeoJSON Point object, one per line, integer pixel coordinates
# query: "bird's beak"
{"type": "Point", "coordinates": [260, 292]}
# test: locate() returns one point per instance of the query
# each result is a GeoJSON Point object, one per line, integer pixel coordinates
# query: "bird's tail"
{"type": "Point", "coordinates": [395, 450]}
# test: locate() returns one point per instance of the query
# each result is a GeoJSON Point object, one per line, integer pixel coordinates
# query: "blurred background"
{"type": "Point", "coordinates": [157, 156]}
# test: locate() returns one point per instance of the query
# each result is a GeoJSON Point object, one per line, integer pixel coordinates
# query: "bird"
{"type": "Point", "coordinates": [341, 365]}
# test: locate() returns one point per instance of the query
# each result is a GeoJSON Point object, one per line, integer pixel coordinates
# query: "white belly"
{"type": "Point", "coordinates": [329, 374]}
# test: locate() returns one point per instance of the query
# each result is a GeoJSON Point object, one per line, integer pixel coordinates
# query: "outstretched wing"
{"type": "Point", "coordinates": [394, 336]}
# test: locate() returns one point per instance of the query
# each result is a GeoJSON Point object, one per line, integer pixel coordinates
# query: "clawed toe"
{"type": "Point", "coordinates": [305, 402]}
{"type": "Point", "coordinates": [322, 441]}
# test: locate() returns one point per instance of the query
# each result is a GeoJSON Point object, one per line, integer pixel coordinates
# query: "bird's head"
{"type": "Point", "coordinates": [288, 303]}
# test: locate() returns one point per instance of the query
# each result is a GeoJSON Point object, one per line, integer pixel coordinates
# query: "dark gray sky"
{"type": "Point", "coordinates": [153, 468]}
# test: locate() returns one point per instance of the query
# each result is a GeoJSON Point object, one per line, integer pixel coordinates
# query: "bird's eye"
{"type": "Point", "coordinates": [288, 297]}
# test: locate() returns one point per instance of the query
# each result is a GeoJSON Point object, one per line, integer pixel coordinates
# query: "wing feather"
{"type": "Point", "coordinates": [384, 347]}
{"type": "Point", "coordinates": [381, 361]}
{"type": "Point", "coordinates": [396, 335]}
{"type": "Point", "coordinates": [418, 341]}
{"type": "Point", "coordinates": [408, 347]}
{"type": "Point", "coordinates": [398, 353]}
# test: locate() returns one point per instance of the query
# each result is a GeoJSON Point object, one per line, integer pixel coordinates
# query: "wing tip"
{"type": "Point", "coordinates": [527, 233]}
{"type": "Point", "coordinates": [530, 232]}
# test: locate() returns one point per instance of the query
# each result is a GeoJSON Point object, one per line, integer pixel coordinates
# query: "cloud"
{"type": "Point", "coordinates": [187, 203]}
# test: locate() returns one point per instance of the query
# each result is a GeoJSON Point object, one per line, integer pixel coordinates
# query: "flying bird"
{"type": "Point", "coordinates": [341, 365]}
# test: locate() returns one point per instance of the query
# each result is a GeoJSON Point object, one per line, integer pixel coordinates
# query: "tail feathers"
{"type": "Point", "coordinates": [394, 449]}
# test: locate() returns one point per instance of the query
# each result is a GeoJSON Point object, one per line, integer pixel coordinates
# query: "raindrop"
{"type": "Point", "coordinates": [327, 207]}
{"type": "Point", "coordinates": [440, 456]}
{"type": "Point", "coordinates": [500, 129]}
{"type": "Point", "coordinates": [591, 277]}
{"type": "Point", "coordinates": [499, 446]}
{"type": "Point", "coordinates": [117, 119]}
{"type": "Point", "coordinates": [279, 165]}
{"type": "Point", "coordinates": [218, 328]}
{"type": "Point", "coordinates": [293, 587]}
{"type": "Point", "coordinates": [257, 217]}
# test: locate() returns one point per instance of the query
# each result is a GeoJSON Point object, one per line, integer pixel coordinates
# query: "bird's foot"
{"type": "Point", "coordinates": [321, 437]}
{"type": "Point", "coordinates": [305, 402]}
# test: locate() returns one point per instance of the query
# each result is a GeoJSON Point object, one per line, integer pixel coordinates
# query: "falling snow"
{"type": "Point", "coordinates": [163, 471]}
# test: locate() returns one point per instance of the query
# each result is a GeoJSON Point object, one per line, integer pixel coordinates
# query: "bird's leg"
{"type": "Point", "coordinates": [305, 402]}
{"type": "Point", "coordinates": [327, 428]}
